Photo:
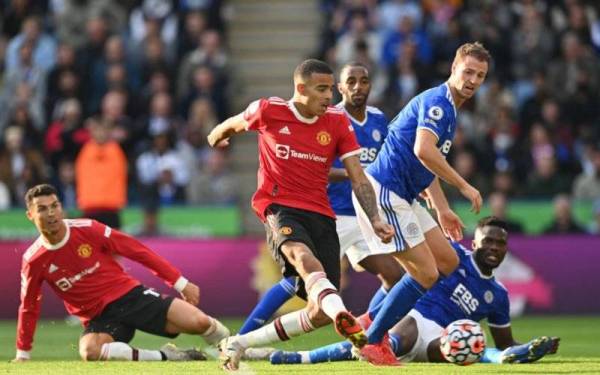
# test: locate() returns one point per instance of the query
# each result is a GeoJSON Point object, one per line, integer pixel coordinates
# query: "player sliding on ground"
{"type": "Point", "coordinates": [470, 292]}
{"type": "Point", "coordinates": [298, 142]}
{"type": "Point", "coordinates": [76, 259]}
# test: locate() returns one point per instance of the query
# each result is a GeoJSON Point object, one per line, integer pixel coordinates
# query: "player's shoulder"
{"type": "Point", "coordinates": [500, 286]}
{"type": "Point", "coordinates": [276, 100]}
{"type": "Point", "coordinates": [437, 100]}
{"type": "Point", "coordinates": [79, 223]}
{"type": "Point", "coordinates": [35, 249]}
{"type": "Point", "coordinates": [374, 111]}
{"type": "Point", "coordinates": [335, 111]}
{"type": "Point", "coordinates": [460, 249]}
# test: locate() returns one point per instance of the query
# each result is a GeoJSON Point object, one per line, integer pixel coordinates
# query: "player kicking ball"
{"type": "Point", "coordinates": [470, 292]}
{"type": "Point", "coordinates": [76, 259]}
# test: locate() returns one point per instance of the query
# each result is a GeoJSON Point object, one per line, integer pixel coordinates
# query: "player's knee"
{"type": "Point", "coordinates": [201, 321]}
{"type": "Point", "coordinates": [390, 275]}
{"type": "Point", "coordinates": [89, 352]}
{"type": "Point", "coordinates": [448, 263]}
{"type": "Point", "coordinates": [428, 277]}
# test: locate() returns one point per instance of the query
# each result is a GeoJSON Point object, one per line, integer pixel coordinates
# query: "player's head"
{"type": "Point", "coordinates": [313, 85]}
{"type": "Point", "coordinates": [469, 69]}
{"type": "Point", "coordinates": [490, 241]}
{"type": "Point", "coordinates": [354, 84]}
{"type": "Point", "coordinates": [44, 208]}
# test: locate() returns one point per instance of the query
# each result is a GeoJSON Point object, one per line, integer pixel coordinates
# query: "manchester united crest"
{"type": "Point", "coordinates": [286, 231]}
{"type": "Point", "coordinates": [84, 251]}
{"type": "Point", "coordinates": [323, 138]}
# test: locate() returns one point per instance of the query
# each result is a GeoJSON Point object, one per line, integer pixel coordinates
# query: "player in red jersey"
{"type": "Point", "coordinates": [298, 142]}
{"type": "Point", "coordinates": [76, 258]}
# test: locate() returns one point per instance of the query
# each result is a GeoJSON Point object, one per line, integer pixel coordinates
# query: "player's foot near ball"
{"type": "Point", "coordinates": [173, 353]}
{"type": "Point", "coordinates": [230, 353]}
{"type": "Point", "coordinates": [347, 326]}
{"type": "Point", "coordinates": [280, 357]}
{"type": "Point", "coordinates": [379, 354]}
{"type": "Point", "coordinates": [531, 351]}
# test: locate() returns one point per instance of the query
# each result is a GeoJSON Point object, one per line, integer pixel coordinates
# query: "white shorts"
{"type": "Point", "coordinates": [410, 221]}
{"type": "Point", "coordinates": [427, 331]}
{"type": "Point", "coordinates": [352, 243]}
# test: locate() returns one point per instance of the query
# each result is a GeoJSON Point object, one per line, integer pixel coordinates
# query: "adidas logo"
{"type": "Point", "coordinates": [285, 130]}
{"type": "Point", "coordinates": [462, 272]}
{"type": "Point", "coordinates": [52, 268]}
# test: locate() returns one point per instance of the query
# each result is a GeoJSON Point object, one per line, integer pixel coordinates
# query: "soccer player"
{"type": "Point", "coordinates": [410, 163]}
{"type": "Point", "coordinates": [298, 141]}
{"type": "Point", "coordinates": [370, 127]}
{"type": "Point", "coordinates": [470, 292]}
{"type": "Point", "coordinates": [76, 259]}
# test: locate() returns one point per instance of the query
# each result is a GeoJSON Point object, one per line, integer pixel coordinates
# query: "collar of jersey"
{"type": "Point", "coordinates": [450, 98]}
{"type": "Point", "coordinates": [299, 116]}
{"type": "Point", "coordinates": [478, 270]}
{"type": "Point", "coordinates": [60, 244]}
{"type": "Point", "coordinates": [354, 121]}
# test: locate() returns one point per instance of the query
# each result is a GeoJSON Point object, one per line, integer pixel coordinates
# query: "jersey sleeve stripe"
{"type": "Point", "coordinates": [499, 325]}
{"type": "Point", "coordinates": [107, 231]}
{"type": "Point", "coordinates": [351, 153]}
{"type": "Point", "coordinates": [431, 130]}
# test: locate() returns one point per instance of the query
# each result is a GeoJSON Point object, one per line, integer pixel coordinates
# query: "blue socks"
{"type": "Point", "coordinates": [341, 351]}
{"type": "Point", "coordinates": [376, 300]}
{"type": "Point", "coordinates": [279, 294]}
{"type": "Point", "coordinates": [396, 343]}
{"type": "Point", "coordinates": [400, 299]}
{"type": "Point", "coordinates": [491, 355]}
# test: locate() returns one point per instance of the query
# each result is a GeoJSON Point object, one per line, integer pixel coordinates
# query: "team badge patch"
{"type": "Point", "coordinates": [435, 113]}
{"type": "Point", "coordinates": [412, 230]}
{"type": "Point", "coordinates": [286, 231]}
{"type": "Point", "coordinates": [376, 135]}
{"type": "Point", "coordinates": [488, 296]}
{"type": "Point", "coordinates": [323, 138]}
{"type": "Point", "coordinates": [84, 251]}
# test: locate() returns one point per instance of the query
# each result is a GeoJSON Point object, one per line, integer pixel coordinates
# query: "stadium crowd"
{"type": "Point", "coordinates": [129, 90]}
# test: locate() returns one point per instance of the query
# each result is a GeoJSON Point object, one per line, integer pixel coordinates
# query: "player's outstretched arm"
{"type": "Point", "coordinates": [337, 175]}
{"type": "Point", "coordinates": [428, 154]}
{"type": "Point", "coordinates": [366, 197]}
{"type": "Point", "coordinates": [503, 337]}
{"type": "Point", "coordinates": [29, 310]}
{"type": "Point", "coordinates": [219, 136]}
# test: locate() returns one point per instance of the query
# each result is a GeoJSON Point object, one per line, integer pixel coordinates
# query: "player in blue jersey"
{"type": "Point", "coordinates": [371, 127]}
{"type": "Point", "coordinates": [470, 292]}
{"type": "Point", "coordinates": [410, 163]}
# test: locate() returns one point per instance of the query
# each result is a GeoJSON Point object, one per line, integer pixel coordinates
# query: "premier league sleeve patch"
{"type": "Point", "coordinates": [435, 113]}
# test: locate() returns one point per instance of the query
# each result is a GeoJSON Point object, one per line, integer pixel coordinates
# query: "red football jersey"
{"type": "Point", "coordinates": [295, 154]}
{"type": "Point", "coordinates": [83, 272]}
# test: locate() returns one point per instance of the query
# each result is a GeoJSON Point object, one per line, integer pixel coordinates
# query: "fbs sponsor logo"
{"type": "Point", "coordinates": [286, 152]}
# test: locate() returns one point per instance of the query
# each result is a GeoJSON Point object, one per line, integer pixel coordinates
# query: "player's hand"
{"type": "Point", "coordinates": [383, 230]}
{"type": "Point", "coordinates": [19, 360]}
{"type": "Point", "coordinates": [191, 293]}
{"type": "Point", "coordinates": [425, 196]}
{"type": "Point", "coordinates": [473, 196]}
{"type": "Point", "coordinates": [555, 344]}
{"type": "Point", "coordinates": [451, 225]}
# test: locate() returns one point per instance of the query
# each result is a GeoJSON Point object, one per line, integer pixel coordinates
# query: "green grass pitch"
{"type": "Point", "coordinates": [56, 353]}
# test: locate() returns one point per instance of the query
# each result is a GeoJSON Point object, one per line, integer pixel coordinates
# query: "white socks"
{"type": "Point", "coordinates": [280, 329]}
{"type": "Point", "coordinates": [124, 352]}
{"type": "Point", "coordinates": [215, 332]}
{"type": "Point", "coordinates": [322, 292]}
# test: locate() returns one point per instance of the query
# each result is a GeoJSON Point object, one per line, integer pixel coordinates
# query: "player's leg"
{"type": "Point", "coordinates": [444, 254]}
{"type": "Point", "coordinates": [273, 299]}
{"type": "Point", "coordinates": [183, 317]}
{"type": "Point", "coordinates": [387, 269]}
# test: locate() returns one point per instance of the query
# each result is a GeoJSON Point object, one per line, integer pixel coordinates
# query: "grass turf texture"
{"type": "Point", "coordinates": [56, 353]}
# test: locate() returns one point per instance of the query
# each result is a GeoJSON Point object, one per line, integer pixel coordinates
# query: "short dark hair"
{"type": "Point", "coordinates": [492, 221]}
{"type": "Point", "coordinates": [352, 64]}
{"type": "Point", "coordinates": [310, 66]}
{"type": "Point", "coordinates": [39, 191]}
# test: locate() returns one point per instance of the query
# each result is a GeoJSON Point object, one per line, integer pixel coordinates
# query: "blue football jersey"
{"type": "Point", "coordinates": [397, 168]}
{"type": "Point", "coordinates": [466, 294]}
{"type": "Point", "coordinates": [370, 135]}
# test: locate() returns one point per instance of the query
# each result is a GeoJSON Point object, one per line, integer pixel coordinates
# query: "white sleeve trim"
{"type": "Point", "coordinates": [431, 130]}
{"type": "Point", "coordinates": [499, 325]}
{"type": "Point", "coordinates": [180, 284]}
{"type": "Point", "coordinates": [23, 354]}
{"type": "Point", "coordinates": [351, 153]}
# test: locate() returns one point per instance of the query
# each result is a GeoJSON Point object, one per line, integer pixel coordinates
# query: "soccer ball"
{"type": "Point", "coordinates": [462, 342]}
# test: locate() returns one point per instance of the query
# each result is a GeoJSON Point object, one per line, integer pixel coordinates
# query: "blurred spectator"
{"type": "Point", "coordinates": [63, 81]}
{"type": "Point", "coordinates": [15, 13]}
{"type": "Point", "coordinates": [587, 184]}
{"type": "Point", "coordinates": [154, 18]}
{"type": "Point", "coordinates": [406, 30]}
{"type": "Point", "coordinates": [65, 184]}
{"type": "Point", "coordinates": [498, 206]}
{"type": "Point", "coordinates": [21, 167]}
{"type": "Point", "coordinates": [114, 116]}
{"type": "Point", "coordinates": [160, 118]}
{"type": "Point", "coordinates": [66, 135]}
{"type": "Point", "coordinates": [594, 226]}
{"type": "Point", "coordinates": [158, 81]}
{"type": "Point", "coordinates": [563, 222]}
{"type": "Point", "coordinates": [213, 183]}
{"type": "Point", "coordinates": [43, 46]}
{"type": "Point", "coordinates": [162, 177]}
{"type": "Point", "coordinates": [101, 175]}
{"type": "Point", "coordinates": [194, 24]}
{"type": "Point", "coordinates": [358, 31]}
{"type": "Point", "coordinates": [204, 86]}
{"type": "Point", "coordinates": [391, 11]}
